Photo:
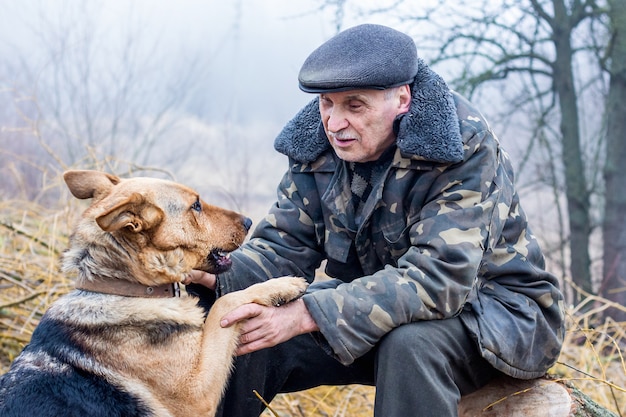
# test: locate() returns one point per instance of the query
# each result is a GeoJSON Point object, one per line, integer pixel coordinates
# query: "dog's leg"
{"type": "Point", "coordinates": [274, 292]}
{"type": "Point", "coordinates": [219, 344]}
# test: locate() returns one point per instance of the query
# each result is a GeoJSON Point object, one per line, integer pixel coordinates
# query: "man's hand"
{"type": "Point", "coordinates": [202, 278]}
{"type": "Point", "coordinates": [264, 327]}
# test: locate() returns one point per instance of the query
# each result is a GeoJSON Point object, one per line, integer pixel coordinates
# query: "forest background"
{"type": "Point", "coordinates": [196, 91]}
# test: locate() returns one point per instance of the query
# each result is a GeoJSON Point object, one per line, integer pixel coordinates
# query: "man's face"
{"type": "Point", "coordinates": [359, 123]}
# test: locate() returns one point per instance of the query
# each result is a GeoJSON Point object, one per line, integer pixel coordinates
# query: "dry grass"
{"type": "Point", "coordinates": [592, 357]}
{"type": "Point", "coordinates": [32, 238]}
{"type": "Point", "coordinates": [30, 244]}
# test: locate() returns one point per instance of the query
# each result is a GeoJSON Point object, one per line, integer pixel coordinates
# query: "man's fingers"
{"type": "Point", "coordinates": [243, 312]}
{"type": "Point", "coordinates": [252, 341]}
{"type": "Point", "coordinates": [200, 277]}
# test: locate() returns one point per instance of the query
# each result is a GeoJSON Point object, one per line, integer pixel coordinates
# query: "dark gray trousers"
{"type": "Point", "coordinates": [419, 369]}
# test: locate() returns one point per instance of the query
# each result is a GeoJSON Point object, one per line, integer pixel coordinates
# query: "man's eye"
{"type": "Point", "coordinates": [197, 206]}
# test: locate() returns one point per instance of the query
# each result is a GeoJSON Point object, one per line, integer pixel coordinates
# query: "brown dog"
{"type": "Point", "coordinates": [125, 343]}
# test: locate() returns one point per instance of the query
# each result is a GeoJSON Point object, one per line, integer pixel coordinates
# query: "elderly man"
{"type": "Point", "coordinates": [437, 283]}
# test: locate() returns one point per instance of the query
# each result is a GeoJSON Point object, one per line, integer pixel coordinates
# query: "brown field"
{"type": "Point", "coordinates": [32, 236]}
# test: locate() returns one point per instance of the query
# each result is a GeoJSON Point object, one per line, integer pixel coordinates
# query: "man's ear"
{"type": "Point", "coordinates": [131, 212]}
{"type": "Point", "coordinates": [404, 96]}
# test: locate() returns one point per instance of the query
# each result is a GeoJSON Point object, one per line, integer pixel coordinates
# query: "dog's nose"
{"type": "Point", "coordinates": [247, 223]}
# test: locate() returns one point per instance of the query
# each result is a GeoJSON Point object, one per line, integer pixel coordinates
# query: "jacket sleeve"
{"type": "Point", "coordinates": [286, 241]}
{"type": "Point", "coordinates": [437, 270]}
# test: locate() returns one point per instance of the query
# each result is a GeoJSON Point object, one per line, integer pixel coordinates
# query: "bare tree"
{"type": "Point", "coordinates": [90, 96]}
{"type": "Point", "coordinates": [614, 226]}
{"type": "Point", "coordinates": [544, 39]}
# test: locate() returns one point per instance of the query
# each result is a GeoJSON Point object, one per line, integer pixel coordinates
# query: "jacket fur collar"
{"type": "Point", "coordinates": [429, 131]}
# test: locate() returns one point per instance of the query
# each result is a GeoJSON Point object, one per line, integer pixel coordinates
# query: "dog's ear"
{"type": "Point", "coordinates": [89, 184]}
{"type": "Point", "coordinates": [131, 212]}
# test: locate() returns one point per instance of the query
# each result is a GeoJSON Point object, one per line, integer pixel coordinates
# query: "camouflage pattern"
{"type": "Point", "coordinates": [438, 240]}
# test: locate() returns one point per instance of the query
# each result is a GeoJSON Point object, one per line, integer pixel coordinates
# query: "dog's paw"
{"type": "Point", "coordinates": [279, 291]}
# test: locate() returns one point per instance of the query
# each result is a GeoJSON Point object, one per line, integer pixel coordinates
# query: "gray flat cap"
{"type": "Point", "coordinates": [362, 57]}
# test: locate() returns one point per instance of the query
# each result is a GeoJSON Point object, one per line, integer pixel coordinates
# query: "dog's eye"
{"type": "Point", "coordinates": [197, 206]}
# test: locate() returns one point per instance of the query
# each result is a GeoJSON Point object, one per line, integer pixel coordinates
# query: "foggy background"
{"type": "Point", "coordinates": [222, 77]}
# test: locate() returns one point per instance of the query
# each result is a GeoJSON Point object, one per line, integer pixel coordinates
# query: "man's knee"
{"type": "Point", "coordinates": [426, 340]}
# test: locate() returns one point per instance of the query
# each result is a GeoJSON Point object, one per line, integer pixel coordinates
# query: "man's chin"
{"type": "Point", "coordinates": [354, 157]}
{"type": "Point", "coordinates": [348, 155]}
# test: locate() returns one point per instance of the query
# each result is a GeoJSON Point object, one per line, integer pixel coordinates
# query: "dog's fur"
{"type": "Point", "coordinates": [99, 354]}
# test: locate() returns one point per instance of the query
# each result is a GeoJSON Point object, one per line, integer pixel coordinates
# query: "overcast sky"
{"type": "Point", "coordinates": [250, 50]}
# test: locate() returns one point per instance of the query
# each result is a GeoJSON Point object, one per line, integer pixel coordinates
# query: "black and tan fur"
{"type": "Point", "coordinates": [95, 353]}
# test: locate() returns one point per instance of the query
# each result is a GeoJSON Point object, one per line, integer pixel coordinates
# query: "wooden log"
{"type": "Point", "coordinates": [543, 397]}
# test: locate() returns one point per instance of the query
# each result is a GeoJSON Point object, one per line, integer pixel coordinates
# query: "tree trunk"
{"type": "Point", "coordinates": [614, 225]}
{"type": "Point", "coordinates": [508, 397]}
{"type": "Point", "coordinates": [575, 182]}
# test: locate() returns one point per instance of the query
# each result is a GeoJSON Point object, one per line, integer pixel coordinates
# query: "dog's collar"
{"type": "Point", "coordinates": [129, 289]}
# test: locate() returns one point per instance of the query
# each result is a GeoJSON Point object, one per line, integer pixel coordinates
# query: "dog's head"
{"type": "Point", "coordinates": [148, 230]}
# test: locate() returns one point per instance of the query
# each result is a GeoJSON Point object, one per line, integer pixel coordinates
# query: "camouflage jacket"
{"type": "Point", "coordinates": [443, 235]}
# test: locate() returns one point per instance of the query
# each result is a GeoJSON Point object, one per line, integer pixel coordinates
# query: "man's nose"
{"type": "Point", "coordinates": [336, 121]}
